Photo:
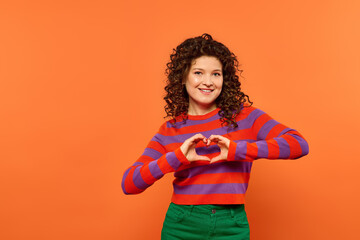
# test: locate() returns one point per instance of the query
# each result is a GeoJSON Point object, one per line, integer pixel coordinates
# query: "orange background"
{"type": "Point", "coordinates": [81, 88]}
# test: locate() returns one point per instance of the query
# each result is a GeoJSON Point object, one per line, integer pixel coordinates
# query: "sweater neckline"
{"type": "Point", "coordinates": [205, 116]}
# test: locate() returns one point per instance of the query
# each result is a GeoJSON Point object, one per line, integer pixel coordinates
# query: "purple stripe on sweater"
{"type": "Point", "coordinates": [137, 164]}
{"type": "Point", "coordinates": [123, 180]}
{"type": "Point", "coordinates": [137, 179]}
{"type": "Point", "coordinates": [303, 144]}
{"type": "Point", "coordinates": [165, 140]}
{"type": "Point", "coordinates": [152, 153]}
{"type": "Point", "coordinates": [249, 120]}
{"type": "Point", "coordinates": [285, 131]}
{"type": "Point", "coordinates": [222, 188]}
{"type": "Point", "coordinates": [265, 129]}
{"type": "Point", "coordinates": [242, 124]}
{"type": "Point", "coordinates": [155, 170]}
{"type": "Point", "coordinates": [158, 138]}
{"type": "Point", "coordinates": [263, 150]}
{"type": "Point", "coordinates": [180, 138]}
{"type": "Point", "coordinates": [172, 160]}
{"type": "Point", "coordinates": [221, 167]}
{"type": "Point", "coordinates": [241, 150]}
{"type": "Point", "coordinates": [284, 148]}
{"type": "Point", "coordinates": [189, 122]}
{"type": "Point", "coordinates": [207, 150]}
{"type": "Point", "coordinates": [245, 140]}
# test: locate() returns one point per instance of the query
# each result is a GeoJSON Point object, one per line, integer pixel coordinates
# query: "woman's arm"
{"type": "Point", "coordinates": [273, 141]}
{"type": "Point", "coordinates": [155, 162]}
{"type": "Point", "coordinates": [266, 138]}
{"type": "Point", "coordinates": [152, 165]}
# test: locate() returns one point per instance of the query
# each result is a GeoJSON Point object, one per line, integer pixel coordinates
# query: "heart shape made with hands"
{"type": "Point", "coordinates": [189, 147]}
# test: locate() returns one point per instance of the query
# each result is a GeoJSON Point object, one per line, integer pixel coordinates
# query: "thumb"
{"type": "Point", "coordinates": [217, 158]}
{"type": "Point", "coordinates": [204, 158]}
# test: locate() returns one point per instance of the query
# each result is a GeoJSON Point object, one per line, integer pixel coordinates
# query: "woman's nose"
{"type": "Point", "coordinates": [207, 80]}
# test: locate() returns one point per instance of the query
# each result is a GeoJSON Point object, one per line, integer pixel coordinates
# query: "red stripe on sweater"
{"type": "Point", "coordinates": [181, 157]}
{"type": "Point", "coordinates": [173, 146]}
{"type": "Point", "coordinates": [241, 134]}
{"type": "Point", "coordinates": [251, 151]}
{"type": "Point", "coordinates": [232, 150]}
{"type": "Point", "coordinates": [208, 199]}
{"type": "Point", "coordinates": [210, 126]}
{"type": "Point", "coordinates": [295, 148]}
{"type": "Point", "coordinates": [214, 178]}
{"type": "Point", "coordinates": [129, 184]}
{"type": "Point", "coordinates": [273, 149]}
{"type": "Point", "coordinates": [275, 131]}
{"type": "Point", "coordinates": [146, 175]}
{"type": "Point", "coordinates": [156, 146]}
{"type": "Point", "coordinates": [259, 122]}
{"type": "Point", "coordinates": [145, 159]}
{"type": "Point", "coordinates": [245, 113]}
{"type": "Point", "coordinates": [164, 166]}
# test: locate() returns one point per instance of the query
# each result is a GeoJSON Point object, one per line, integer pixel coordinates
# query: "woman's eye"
{"type": "Point", "coordinates": [197, 72]}
{"type": "Point", "coordinates": [217, 74]}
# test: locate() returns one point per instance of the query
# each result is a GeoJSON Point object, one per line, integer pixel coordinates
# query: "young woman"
{"type": "Point", "coordinates": [210, 143]}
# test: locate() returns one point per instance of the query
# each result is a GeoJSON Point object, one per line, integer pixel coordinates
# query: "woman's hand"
{"type": "Point", "coordinates": [188, 148]}
{"type": "Point", "coordinates": [223, 143]}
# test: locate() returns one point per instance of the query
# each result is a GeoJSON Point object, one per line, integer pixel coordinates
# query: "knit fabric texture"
{"type": "Point", "coordinates": [225, 182]}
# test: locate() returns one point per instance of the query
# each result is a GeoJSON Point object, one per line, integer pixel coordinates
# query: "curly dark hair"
{"type": "Point", "coordinates": [231, 99]}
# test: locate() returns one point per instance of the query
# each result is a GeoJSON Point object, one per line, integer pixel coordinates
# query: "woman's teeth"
{"type": "Point", "coordinates": [206, 90]}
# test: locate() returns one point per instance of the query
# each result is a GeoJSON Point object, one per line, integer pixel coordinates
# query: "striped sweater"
{"type": "Point", "coordinates": [224, 182]}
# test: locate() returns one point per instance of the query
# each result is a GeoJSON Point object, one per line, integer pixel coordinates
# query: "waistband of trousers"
{"type": "Point", "coordinates": [210, 209]}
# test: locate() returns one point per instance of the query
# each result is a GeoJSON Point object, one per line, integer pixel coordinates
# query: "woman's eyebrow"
{"type": "Point", "coordinates": [203, 69]}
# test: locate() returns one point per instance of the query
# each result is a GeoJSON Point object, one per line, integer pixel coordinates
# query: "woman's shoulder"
{"type": "Point", "coordinates": [247, 111]}
{"type": "Point", "coordinates": [247, 108]}
{"type": "Point", "coordinates": [163, 126]}
{"type": "Point", "coordinates": [167, 126]}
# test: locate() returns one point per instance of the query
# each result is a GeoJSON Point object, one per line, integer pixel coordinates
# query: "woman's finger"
{"type": "Point", "coordinates": [218, 158]}
{"type": "Point", "coordinates": [193, 140]}
{"type": "Point", "coordinates": [197, 136]}
{"type": "Point", "coordinates": [218, 139]}
{"type": "Point", "coordinates": [198, 139]}
{"type": "Point", "coordinates": [188, 147]}
{"type": "Point", "coordinates": [202, 158]}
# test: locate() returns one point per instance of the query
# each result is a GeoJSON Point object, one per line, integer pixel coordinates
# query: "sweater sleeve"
{"type": "Point", "coordinates": [152, 165]}
{"type": "Point", "coordinates": [273, 140]}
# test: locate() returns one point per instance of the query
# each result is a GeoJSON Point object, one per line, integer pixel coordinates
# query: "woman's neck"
{"type": "Point", "coordinates": [200, 110]}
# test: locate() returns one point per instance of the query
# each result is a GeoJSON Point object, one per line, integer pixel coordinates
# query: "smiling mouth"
{"type": "Point", "coordinates": [206, 90]}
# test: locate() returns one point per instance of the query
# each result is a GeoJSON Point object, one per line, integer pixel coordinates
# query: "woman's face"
{"type": "Point", "coordinates": [203, 84]}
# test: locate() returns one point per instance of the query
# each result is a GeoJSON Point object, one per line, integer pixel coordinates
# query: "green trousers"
{"type": "Point", "coordinates": [200, 222]}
